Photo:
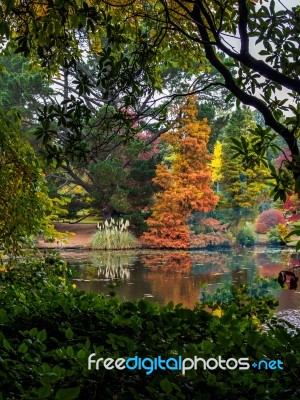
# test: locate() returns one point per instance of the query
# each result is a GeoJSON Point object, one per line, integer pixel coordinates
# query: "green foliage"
{"type": "Point", "coordinates": [246, 235]}
{"type": "Point", "coordinates": [79, 203]}
{"type": "Point", "coordinates": [128, 56]}
{"type": "Point", "coordinates": [48, 333]}
{"type": "Point", "coordinates": [137, 222]}
{"type": "Point", "coordinates": [140, 192]}
{"type": "Point", "coordinates": [295, 231]}
{"type": "Point", "coordinates": [241, 189]}
{"type": "Point", "coordinates": [108, 188]}
{"type": "Point", "coordinates": [21, 86]}
{"type": "Point", "coordinates": [112, 235]}
{"type": "Point", "coordinates": [121, 185]}
{"type": "Point", "coordinates": [25, 206]}
{"type": "Point", "coordinates": [134, 51]}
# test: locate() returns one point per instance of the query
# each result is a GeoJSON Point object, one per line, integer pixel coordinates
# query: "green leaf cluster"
{"type": "Point", "coordinates": [25, 208]}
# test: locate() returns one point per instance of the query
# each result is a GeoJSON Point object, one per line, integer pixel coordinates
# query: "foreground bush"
{"type": "Point", "coordinates": [49, 329]}
{"type": "Point", "coordinates": [246, 235]}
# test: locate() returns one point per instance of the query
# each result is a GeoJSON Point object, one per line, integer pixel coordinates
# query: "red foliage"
{"type": "Point", "coordinates": [203, 240]}
{"type": "Point", "coordinates": [284, 158]}
{"type": "Point", "coordinates": [169, 262]}
{"type": "Point", "coordinates": [213, 225]}
{"type": "Point", "coordinates": [185, 187]}
{"type": "Point", "coordinates": [151, 150]}
{"type": "Point", "coordinates": [292, 208]}
{"type": "Point", "coordinates": [269, 219]}
{"type": "Point", "coordinates": [167, 230]}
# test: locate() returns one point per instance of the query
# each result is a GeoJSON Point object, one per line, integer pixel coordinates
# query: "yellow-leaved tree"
{"type": "Point", "coordinates": [216, 164]}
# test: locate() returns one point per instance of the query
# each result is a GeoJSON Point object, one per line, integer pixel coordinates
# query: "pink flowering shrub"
{"type": "Point", "coordinates": [269, 219]}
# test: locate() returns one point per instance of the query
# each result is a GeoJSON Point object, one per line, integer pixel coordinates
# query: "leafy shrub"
{"type": "Point", "coordinates": [48, 333]}
{"type": "Point", "coordinates": [213, 225]}
{"type": "Point", "coordinates": [246, 235]}
{"type": "Point", "coordinates": [232, 240]}
{"type": "Point", "coordinates": [207, 232]}
{"type": "Point", "coordinates": [265, 205]}
{"type": "Point", "coordinates": [114, 235]}
{"type": "Point", "coordinates": [291, 208]}
{"type": "Point", "coordinates": [277, 235]}
{"type": "Point", "coordinates": [213, 239]}
{"type": "Point", "coordinates": [269, 219]}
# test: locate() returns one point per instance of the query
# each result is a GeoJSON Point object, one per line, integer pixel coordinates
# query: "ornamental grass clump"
{"type": "Point", "coordinates": [114, 235]}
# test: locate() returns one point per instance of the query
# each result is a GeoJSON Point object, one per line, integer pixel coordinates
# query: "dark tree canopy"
{"type": "Point", "coordinates": [136, 42]}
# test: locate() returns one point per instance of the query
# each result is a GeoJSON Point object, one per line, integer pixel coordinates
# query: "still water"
{"type": "Point", "coordinates": [165, 276]}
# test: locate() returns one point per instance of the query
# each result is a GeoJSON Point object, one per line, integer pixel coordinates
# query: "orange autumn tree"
{"type": "Point", "coordinates": [185, 183]}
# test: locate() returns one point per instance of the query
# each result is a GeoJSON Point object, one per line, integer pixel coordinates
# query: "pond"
{"type": "Point", "coordinates": [177, 276]}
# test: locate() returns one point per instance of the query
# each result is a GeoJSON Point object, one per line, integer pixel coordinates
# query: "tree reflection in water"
{"type": "Point", "coordinates": [174, 274]}
{"type": "Point", "coordinates": [179, 276]}
{"type": "Point", "coordinates": [169, 273]}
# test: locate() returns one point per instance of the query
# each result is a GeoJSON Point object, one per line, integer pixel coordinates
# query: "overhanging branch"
{"type": "Point", "coordinates": [205, 24]}
{"type": "Point", "coordinates": [240, 94]}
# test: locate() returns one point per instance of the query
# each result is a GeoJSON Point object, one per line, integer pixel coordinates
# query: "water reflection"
{"type": "Point", "coordinates": [178, 275]}
{"type": "Point", "coordinates": [113, 265]}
